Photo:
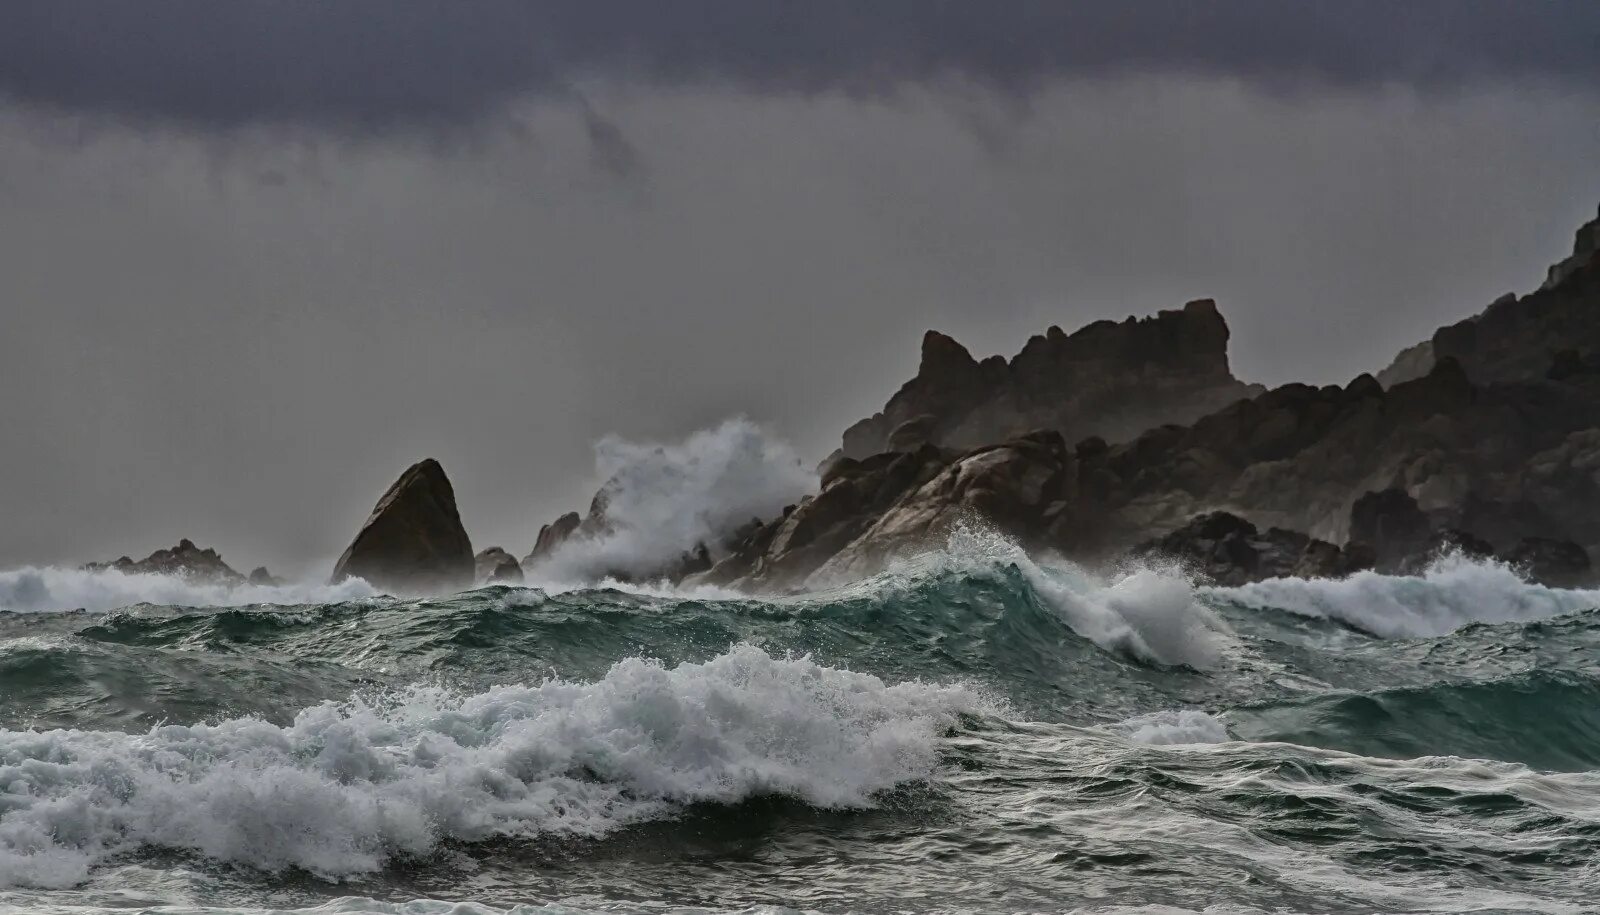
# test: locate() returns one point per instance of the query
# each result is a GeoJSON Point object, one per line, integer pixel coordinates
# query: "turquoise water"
{"type": "Point", "coordinates": [972, 732]}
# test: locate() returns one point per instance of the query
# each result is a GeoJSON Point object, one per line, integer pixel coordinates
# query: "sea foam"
{"type": "Point", "coordinates": [1148, 611]}
{"type": "Point", "coordinates": [34, 589]}
{"type": "Point", "coordinates": [1450, 593]}
{"type": "Point", "coordinates": [347, 787]}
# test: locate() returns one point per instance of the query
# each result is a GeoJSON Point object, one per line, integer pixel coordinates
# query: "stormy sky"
{"type": "Point", "coordinates": [257, 257]}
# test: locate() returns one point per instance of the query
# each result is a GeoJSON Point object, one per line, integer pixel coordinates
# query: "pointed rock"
{"type": "Point", "coordinates": [413, 542]}
{"type": "Point", "coordinates": [556, 533]}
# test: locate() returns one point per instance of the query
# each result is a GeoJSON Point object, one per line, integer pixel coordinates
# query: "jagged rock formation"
{"type": "Point", "coordinates": [413, 542]}
{"type": "Point", "coordinates": [1109, 379]}
{"type": "Point", "coordinates": [1517, 338]}
{"type": "Point", "coordinates": [260, 576]}
{"type": "Point", "coordinates": [184, 561]}
{"type": "Point", "coordinates": [1500, 462]}
{"type": "Point", "coordinates": [494, 566]}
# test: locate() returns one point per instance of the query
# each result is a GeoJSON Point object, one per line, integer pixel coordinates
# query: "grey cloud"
{"type": "Point", "coordinates": [246, 347]}
{"type": "Point", "coordinates": [436, 64]}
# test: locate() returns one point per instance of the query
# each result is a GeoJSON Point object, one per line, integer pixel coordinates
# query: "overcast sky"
{"type": "Point", "coordinates": [257, 257]}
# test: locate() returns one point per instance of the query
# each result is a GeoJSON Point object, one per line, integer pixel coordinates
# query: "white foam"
{"type": "Point", "coordinates": [349, 786]}
{"type": "Point", "coordinates": [33, 589]}
{"type": "Point", "coordinates": [1452, 592]}
{"type": "Point", "coordinates": [664, 500]}
{"type": "Point", "coordinates": [1173, 727]}
{"type": "Point", "coordinates": [1148, 611]}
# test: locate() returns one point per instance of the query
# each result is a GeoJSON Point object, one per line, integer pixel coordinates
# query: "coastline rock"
{"type": "Point", "coordinates": [1515, 338]}
{"type": "Point", "coordinates": [184, 561]}
{"type": "Point", "coordinates": [1228, 550]}
{"type": "Point", "coordinates": [1560, 563]}
{"type": "Point", "coordinates": [260, 576]}
{"type": "Point", "coordinates": [494, 566]}
{"type": "Point", "coordinates": [551, 536]}
{"type": "Point", "coordinates": [1108, 379]}
{"type": "Point", "coordinates": [413, 541]}
{"type": "Point", "coordinates": [854, 494]}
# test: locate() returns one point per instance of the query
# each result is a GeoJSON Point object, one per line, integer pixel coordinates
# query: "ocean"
{"type": "Point", "coordinates": [973, 730]}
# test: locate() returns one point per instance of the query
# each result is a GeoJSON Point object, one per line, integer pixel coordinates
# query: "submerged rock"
{"type": "Point", "coordinates": [495, 566]}
{"type": "Point", "coordinates": [413, 541]}
{"type": "Point", "coordinates": [184, 561]}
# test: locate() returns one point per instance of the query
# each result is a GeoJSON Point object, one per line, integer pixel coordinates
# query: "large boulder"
{"type": "Point", "coordinates": [1391, 522]}
{"type": "Point", "coordinates": [183, 561]}
{"type": "Point", "coordinates": [413, 542]}
{"type": "Point", "coordinates": [1560, 563]}
{"type": "Point", "coordinates": [495, 566]}
{"type": "Point", "coordinates": [1228, 550]}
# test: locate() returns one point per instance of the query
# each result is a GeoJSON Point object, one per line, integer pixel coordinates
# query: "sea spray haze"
{"type": "Point", "coordinates": [657, 502]}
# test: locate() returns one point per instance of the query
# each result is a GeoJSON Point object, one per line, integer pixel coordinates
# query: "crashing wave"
{"type": "Point", "coordinates": [349, 786]}
{"type": "Point", "coordinates": [33, 590]}
{"type": "Point", "coordinates": [1453, 591]}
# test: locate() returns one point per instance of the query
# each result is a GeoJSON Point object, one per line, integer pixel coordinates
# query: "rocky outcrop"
{"type": "Point", "coordinates": [1398, 473]}
{"type": "Point", "coordinates": [1225, 549]}
{"type": "Point", "coordinates": [1516, 339]}
{"type": "Point", "coordinates": [1560, 563]}
{"type": "Point", "coordinates": [552, 535]}
{"type": "Point", "coordinates": [854, 495]}
{"type": "Point", "coordinates": [260, 576]}
{"type": "Point", "coordinates": [413, 542]}
{"type": "Point", "coordinates": [183, 561]}
{"type": "Point", "coordinates": [494, 566]}
{"type": "Point", "coordinates": [1108, 379]}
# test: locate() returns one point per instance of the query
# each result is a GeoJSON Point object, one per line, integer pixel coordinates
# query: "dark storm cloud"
{"type": "Point", "coordinates": [377, 64]}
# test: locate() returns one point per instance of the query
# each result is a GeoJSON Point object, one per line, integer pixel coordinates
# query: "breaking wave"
{"type": "Point", "coordinates": [661, 501]}
{"type": "Point", "coordinates": [1149, 611]}
{"type": "Point", "coordinates": [1452, 592]}
{"type": "Point", "coordinates": [33, 590]}
{"type": "Point", "coordinates": [349, 786]}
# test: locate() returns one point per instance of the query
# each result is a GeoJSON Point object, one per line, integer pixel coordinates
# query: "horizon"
{"type": "Point", "coordinates": [240, 306]}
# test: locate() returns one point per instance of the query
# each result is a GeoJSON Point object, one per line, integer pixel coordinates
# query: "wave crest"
{"type": "Point", "coordinates": [34, 590]}
{"type": "Point", "coordinates": [1453, 591]}
{"type": "Point", "coordinates": [349, 786]}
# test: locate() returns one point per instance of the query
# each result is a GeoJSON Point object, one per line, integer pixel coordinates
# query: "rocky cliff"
{"type": "Point", "coordinates": [1109, 379]}
{"type": "Point", "coordinates": [1499, 462]}
{"type": "Point", "coordinates": [1517, 338]}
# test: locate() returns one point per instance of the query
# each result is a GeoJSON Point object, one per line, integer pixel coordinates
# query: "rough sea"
{"type": "Point", "coordinates": [972, 731]}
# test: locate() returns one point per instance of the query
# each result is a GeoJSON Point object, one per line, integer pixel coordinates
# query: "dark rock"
{"type": "Point", "coordinates": [1514, 338]}
{"type": "Point", "coordinates": [1559, 563]}
{"type": "Point", "coordinates": [1108, 379]}
{"type": "Point", "coordinates": [413, 542]}
{"type": "Point", "coordinates": [260, 576]}
{"type": "Point", "coordinates": [1227, 550]}
{"type": "Point", "coordinates": [552, 535]}
{"type": "Point", "coordinates": [1394, 526]}
{"type": "Point", "coordinates": [494, 566]}
{"type": "Point", "coordinates": [184, 561]}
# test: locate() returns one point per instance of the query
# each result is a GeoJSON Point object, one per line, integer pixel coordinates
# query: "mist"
{"type": "Point", "coordinates": [244, 337]}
